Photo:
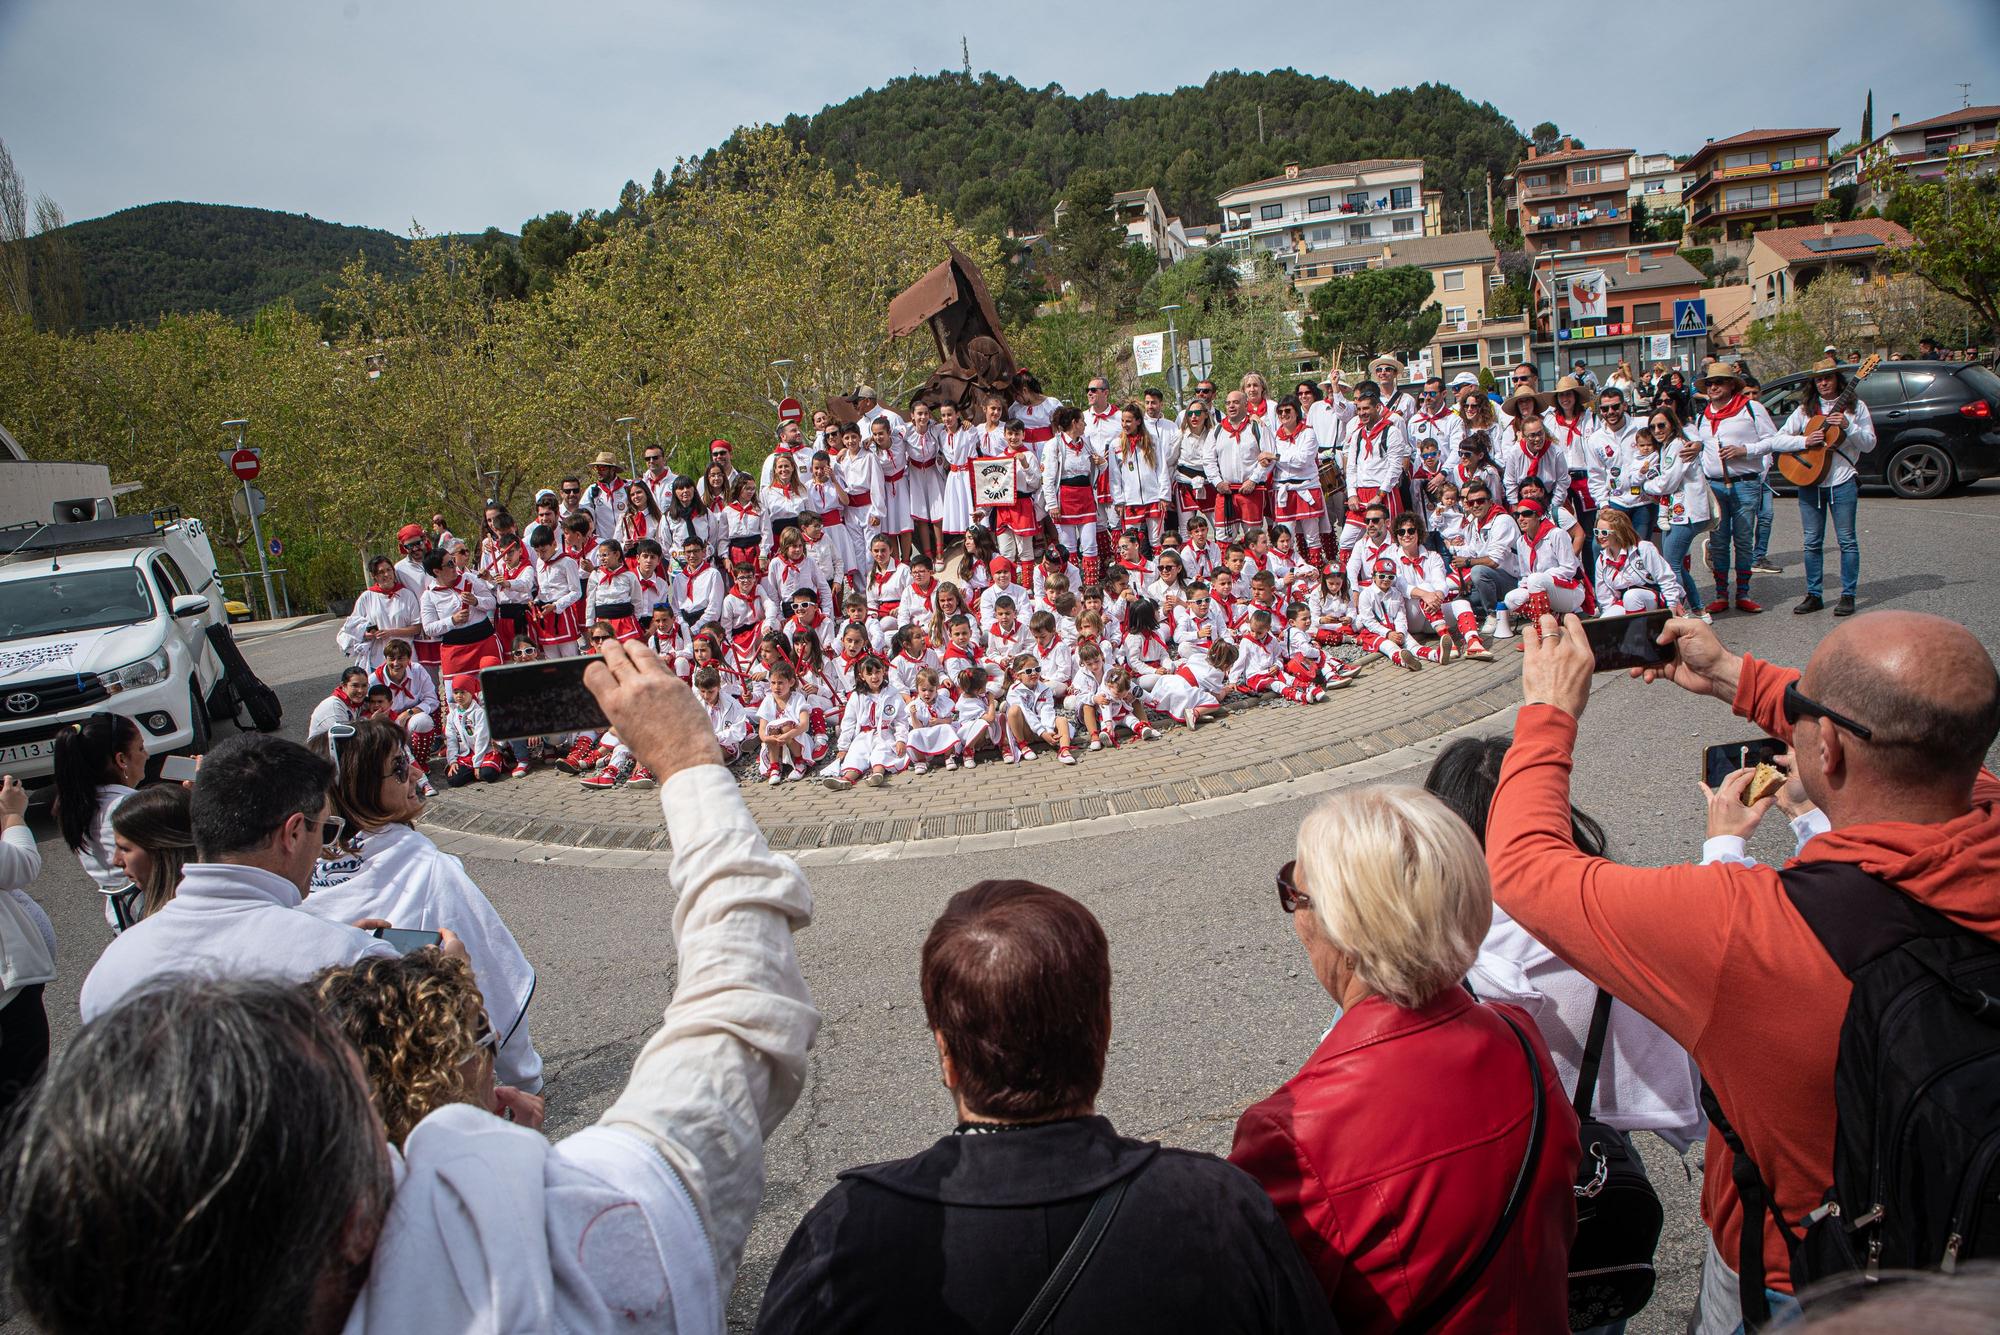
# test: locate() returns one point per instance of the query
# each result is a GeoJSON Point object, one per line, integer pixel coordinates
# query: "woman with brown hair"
{"type": "Point", "coordinates": [419, 1025]}
{"type": "Point", "coordinates": [392, 872]}
{"type": "Point", "coordinates": [154, 838]}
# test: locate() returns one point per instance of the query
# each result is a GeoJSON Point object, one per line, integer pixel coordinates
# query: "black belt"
{"type": "Point", "coordinates": [1075, 482]}
{"type": "Point", "coordinates": [514, 614]}
{"type": "Point", "coordinates": [470, 633]}
{"type": "Point", "coordinates": [612, 611]}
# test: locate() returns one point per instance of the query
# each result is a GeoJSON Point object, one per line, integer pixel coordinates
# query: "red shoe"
{"type": "Point", "coordinates": [642, 778]}
{"type": "Point", "coordinates": [1745, 605]}
{"type": "Point", "coordinates": [578, 753]}
{"type": "Point", "coordinates": [602, 781]}
{"type": "Point", "coordinates": [1719, 605]}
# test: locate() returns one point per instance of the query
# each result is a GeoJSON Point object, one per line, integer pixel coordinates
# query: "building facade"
{"type": "Point", "coordinates": [1642, 283]}
{"type": "Point", "coordinates": [1317, 222]}
{"type": "Point", "coordinates": [1146, 223]}
{"type": "Point", "coordinates": [1758, 179]}
{"type": "Point", "coordinates": [1465, 272]}
{"type": "Point", "coordinates": [1787, 260]}
{"type": "Point", "coordinates": [1571, 198]}
{"type": "Point", "coordinates": [1656, 180]}
{"type": "Point", "coordinates": [1925, 150]}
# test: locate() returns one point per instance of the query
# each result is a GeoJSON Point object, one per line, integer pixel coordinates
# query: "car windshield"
{"type": "Point", "coordinates": [1983, 382]}
{"type": "Point", "coordinates": [60, 601]}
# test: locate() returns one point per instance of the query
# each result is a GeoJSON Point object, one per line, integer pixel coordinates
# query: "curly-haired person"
{"type": "Point", "coordinates": [420, 1027]}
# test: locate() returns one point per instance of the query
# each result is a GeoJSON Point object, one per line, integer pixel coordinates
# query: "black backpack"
{"type": "Point", "coordinates": [1916, 1092]}
{"type": "Point", "coordinates": [267, 714]}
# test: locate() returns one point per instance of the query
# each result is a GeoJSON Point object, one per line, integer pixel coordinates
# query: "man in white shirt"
{"type": "Point", "coordinates": [282, 1197]}
{"type": "Point", "coordinates": [261, 815]}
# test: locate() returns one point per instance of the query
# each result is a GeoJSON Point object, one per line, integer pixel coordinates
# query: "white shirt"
{"type": "Point", "coordinates": [638, 1222]}
{"type": "Point", "coordinates": [1857, 438]}
{"type": "Point", "coordinates": [409, 881]}
{"type": "Point", "coordinates": [225, 921]}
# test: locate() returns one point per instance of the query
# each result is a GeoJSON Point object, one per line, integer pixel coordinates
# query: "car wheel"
{"type": "Point", "coordinates": [198, 743]}
{"type": "Point", "coordinates": [1918, 472]}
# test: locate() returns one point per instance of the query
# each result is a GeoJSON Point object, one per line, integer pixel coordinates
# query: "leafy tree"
{"type": "Point", "coordinates": [1373, 311]}
{"type": "Point", "coordinates": [1505, 237]}
{"type": "Point", "coordinates": [1545, 136]}
{"type": "Point", "coordinates": [1089, 244]}
{"type": "Point", "coordinates": [1956, 222]}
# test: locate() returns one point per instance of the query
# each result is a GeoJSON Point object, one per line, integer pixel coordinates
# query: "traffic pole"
{"type": "Point", "coordinates": [263, 559]}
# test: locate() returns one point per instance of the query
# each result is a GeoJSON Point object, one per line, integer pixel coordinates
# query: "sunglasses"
{"type": "Point", "coordinates": [572, 491]}
{"type": "Point", "coordinates": [1290, 898]}
{"type": "Point", "coordinates": [330, 831]}
{"type": "Point", "coordinates": [601, 639]}
{"type": "Point", "coordinates": [399, 769]}
{"type": "Point", "coordinates": [655, 458]}
{"type": "Point", "coordinates": [1600, 533]}
{"type": "Point", "coordinates": [1406, 533]}
{"type": "Point", "coordinates": [1799, 705]}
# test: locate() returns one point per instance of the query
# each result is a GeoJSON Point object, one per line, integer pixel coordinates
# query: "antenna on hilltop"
{"type": "Point", "coordinates": [965, 51]}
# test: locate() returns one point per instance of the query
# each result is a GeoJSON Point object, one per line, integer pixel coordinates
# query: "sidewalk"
{"type": "Point", "coordinates": [257, 630]}
{"type": "Point", "coordinates": [1247, 748]}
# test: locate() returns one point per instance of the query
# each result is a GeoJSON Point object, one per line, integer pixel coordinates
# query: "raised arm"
{"type": "Point", "coordinates": [730, 1058]}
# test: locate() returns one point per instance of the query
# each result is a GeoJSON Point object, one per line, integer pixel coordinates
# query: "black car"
{"type": "Point", "coordinates": [1937, 424]}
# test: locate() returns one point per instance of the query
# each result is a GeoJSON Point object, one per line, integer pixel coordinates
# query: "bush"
{"type": "Point", "coordinates": [1699, 256]}
{"type": "Point", "coordinates": [1486, 379]}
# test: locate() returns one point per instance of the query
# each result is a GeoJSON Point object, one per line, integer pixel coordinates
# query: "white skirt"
{"type": "Point", "coordinates": [926, 487]}
{"type": "Point", "coordinates": [954, 512]}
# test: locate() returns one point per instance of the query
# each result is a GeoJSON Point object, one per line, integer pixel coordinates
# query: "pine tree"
{"type": "Point", "coordinates": [1868, 118]}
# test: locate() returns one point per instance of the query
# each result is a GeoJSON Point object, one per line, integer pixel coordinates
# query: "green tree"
{"type": "Point", "coordinates": [1373, 311]}
{"type": "Point", "coordinates": [1089, 244]}
{"type": "Point", "coordinates": [1956, 222]}
{"type": "Point", "coordinates": [1545, 136]}
{"type": "Point", "coordinates": [1868, 118]}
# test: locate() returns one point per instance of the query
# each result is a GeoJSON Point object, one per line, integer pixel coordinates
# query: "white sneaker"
{"type": "Point", "coordinates": [1026, 756]}
{"type": "Point", "coordinates": [1008, 758]}
{"type": "Point", "coordinates": [1095, 745]}
{"type": "Point", "coordinates": [777, 777]}
{"type": "Point", "coordinates": [1149, 733]}
{"type": "Point", "coordinates": [951, 762]}
{"type": "Point", "coordinates": [1065, 756]}
{"type": "Point", "coordinates": [1188, 716]}
{"type": "Point", "coordinates": [972, 762]}
{"type": "Point", "coordinates": [1486, 626]}
{"type": "Point", "coordinates": [920, 768]}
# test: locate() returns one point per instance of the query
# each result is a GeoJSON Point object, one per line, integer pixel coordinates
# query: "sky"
{"type": "Point", "coordinates": [463, 114]}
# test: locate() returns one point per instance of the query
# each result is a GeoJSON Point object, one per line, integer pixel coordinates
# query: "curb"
{"type": "Point", "coordinates": [256, 630]}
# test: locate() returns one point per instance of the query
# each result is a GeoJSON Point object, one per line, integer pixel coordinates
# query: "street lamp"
{"type": "Point", "coordinates": [631, 459]}
{"type": "Point", "coordinates": [237, 425]}
{"type": "Point", "coordinates": [784, 383]}
{"type": "Point", "coordinates": [1173, 356]}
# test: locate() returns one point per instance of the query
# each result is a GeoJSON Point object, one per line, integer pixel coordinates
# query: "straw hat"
{"type": "Point", "coordinates": [1568, 382]}
{"type": "Point", "coordinates": [1386, 360]}
{"type": "Point", "coordinates": [604, 459]}
{"type": "Point", "coordinates": [1827, 366]}
{"type": "Point", "coordinates": [1720, 371]}
{"type": "Point", "coordinates": [1525, 395]}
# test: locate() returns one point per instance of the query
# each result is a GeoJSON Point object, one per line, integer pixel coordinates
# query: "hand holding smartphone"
{"type": "Point", "coordinates": [1628, 641]}
{"type": "Point", "coordinates": [543, 698]}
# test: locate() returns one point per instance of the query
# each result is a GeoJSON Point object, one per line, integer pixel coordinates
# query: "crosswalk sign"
{"type": "Point", "coordinates": [1691, 318]}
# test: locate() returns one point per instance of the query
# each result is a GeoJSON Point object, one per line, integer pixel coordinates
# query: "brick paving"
{"type": "Point", "coordinates": [1247, 747]}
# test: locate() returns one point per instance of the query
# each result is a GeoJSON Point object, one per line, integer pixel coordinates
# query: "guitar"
{"type": "Point", "coordinates": [1804, 468]}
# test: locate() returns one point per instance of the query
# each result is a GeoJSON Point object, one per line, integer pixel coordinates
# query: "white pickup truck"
{"type": "Point", "coordinates": [109, 614]}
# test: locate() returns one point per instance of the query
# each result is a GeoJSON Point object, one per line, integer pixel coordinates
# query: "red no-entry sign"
{"type": "Point", "coordinates": [245, 463]}
{"type": "Point", "coordinates": [790, 411]}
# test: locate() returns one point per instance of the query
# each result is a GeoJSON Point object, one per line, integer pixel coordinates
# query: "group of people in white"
{"type": "Point", "coordinates": [898, 593]}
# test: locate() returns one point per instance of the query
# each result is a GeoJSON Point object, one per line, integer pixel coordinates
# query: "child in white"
{"type": "Point", "coordinates": [1192, 689]}
{"type": "Point", "coordinates": [978, 715]}
{"type": "Point", "coordinates": [784, 726]}
{"type": "Point", "coordinates": [933, 723]}
{"type": "Point", "coordinates": [1032, 713]}
{"type": "Point", "coordinates": [468, 745]}
{"type": "Point", "coordinates": [874, 730]}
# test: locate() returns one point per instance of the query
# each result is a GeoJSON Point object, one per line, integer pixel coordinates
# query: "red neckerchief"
{"type": "Point", "coordinates": [1617, 563]}
{"type": "Point", "coordinates": [924, 594]}
{"type": "Point", "coordinates": [603, 576]}
{"type": "Point", "coordinates": [1294, 434]}
{"type": "Point", "coordinates": [1129, 445]}
{"type": "Point", "coordinates": [877, 578]}
{"type": "Point", "coordinates": [1152, 637]}
{"type": "Point", "coordinates": [1250, 558]}
{"type": "Point", "coordinates": [1236, 432]}
{"type": "Point", "coordinates": [1487, 521]}
{"type": "Point", "coordinates": [691, 575]}
{"type": "Point", "coordinates": [448, 588]}
{"type": "Point", "coordinates": [1535, 543]}
{"type": "Point", "coordinates": [1571, 430]}
{"type": "Point", "coordinates": [1254, 407]}
{"type": "Point", "coordinates": [1369, 435]}
{"type": "Point", "coordinates": [788, 567]}
{"type": "Point", "coordinates": [1432, 419]}
{"type": "Point", "coordinates": [1728, 410]}
{"type": "Point", "coordinates": [952, 651]}
{"type": "Point", "coordinates": [520, 565]}
{"type": "Point", "coordinates": [348, 704]}
{"type": "Point", "coordinates": [387, 590]}
{"type": "Point", "coordinates": [1096, 416]}
{"type": "Point", "coordinates": [398, 689]}
{"type": "Point", "coordinates": [1535, 456]}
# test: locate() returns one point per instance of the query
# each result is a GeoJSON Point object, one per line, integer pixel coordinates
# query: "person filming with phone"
{"type": "Point", "coordinates": [1889, 726]}
{"type": "Point", "coordinates": [204, 1154]}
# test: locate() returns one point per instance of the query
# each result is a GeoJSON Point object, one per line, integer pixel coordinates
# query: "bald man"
{"type": "Point", "coordinates": [1889, 726]}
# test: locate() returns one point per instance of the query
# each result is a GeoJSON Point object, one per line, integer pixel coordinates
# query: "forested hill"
{"type": "Point", "coordinates": [157, 258]}
{"type": "Point", "coordinates": [997, 154]}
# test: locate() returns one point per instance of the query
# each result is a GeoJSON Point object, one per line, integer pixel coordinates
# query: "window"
{"type": "Point", "coordinates": [1614, 315]}
{"type": "Point", "coordinates": [1495, 281]}
{"type": "Point", "coordinates": [1646, 313]}
{"type": "Point", "coordinates": [1406, 226]}
{"type": "Point", "coordinates": [1358, 232]}
{"type": "Point", "coordinates": [1320, 204]}
{"type": "Point", "coordinates": [1504, 353]}
{"type": "Point", "coordinates": [1357, 200]}
{"type": "Point", "coordinates": [1454, 354]}
{"type": "Point", "coordinates": [1454, 280]}
{"type": "Point", "coordinates": [1319, 236]}
{"type": "Point", "coordinates": [1915, 382]}
{"type": "Point", "coordinates": [1882, 390]}
{"type": "Point", "coordinates": [1583, 176]}
{"type": "Point", "coordinates": [1799, 191]}
{"type": "Point", "coordinates": [1270, 211]}
{"type": "Point", "coordinates": [1400, 197]}
{"type": "Point", "coordinates": [1614, 172]}
{"type": "Point", "coordinates": [1744, 196]}
{"type": "Point", "coordinates": [1534, 182]}
{"type": "Point", "coordinates": [1454, 315]}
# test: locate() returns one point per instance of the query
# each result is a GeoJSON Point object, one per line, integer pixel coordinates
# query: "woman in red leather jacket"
{"type": "Point", "coordinates": [1392, 1154]}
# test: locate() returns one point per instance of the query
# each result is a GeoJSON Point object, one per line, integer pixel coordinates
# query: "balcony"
{"type": "Point", "coordinates": [1552, 222]}
{"type": "Point", "coordinates": [1707, 178]}
{"type": "Point", "coordinates": [1298, 217]}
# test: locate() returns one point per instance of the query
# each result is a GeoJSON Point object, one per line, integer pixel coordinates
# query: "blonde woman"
{"type": "Point", "coordinates": [1389, 899]}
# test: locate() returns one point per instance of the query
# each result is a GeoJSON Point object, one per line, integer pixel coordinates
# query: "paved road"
{"type": "Point", "coordinates": [1212, 1004]}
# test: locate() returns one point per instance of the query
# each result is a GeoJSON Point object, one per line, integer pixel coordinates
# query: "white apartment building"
{"type": "Point", "coordinates": [1318, 222]}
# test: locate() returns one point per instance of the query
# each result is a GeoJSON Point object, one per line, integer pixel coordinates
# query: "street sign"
{"type": "Point", "coordinates": [1691, 318]}
{"type": "Point", "coordinates": [257, 504]}
{"type": "Point", "coordinates": [790, 410]}
{"type": "Point", "coordinates": [246, 463]}
{"type": "Point", "coordinates": [1176, 377]}
{"type": "Point", "coordinates": [1201, 357]}
{"type": "Point", "coordinates": [1149, 353]}
{"type": "Point", "coordinates": [277, 547]}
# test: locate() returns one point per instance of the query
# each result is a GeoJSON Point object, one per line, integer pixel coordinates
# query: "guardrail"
{"type": "Point", "coordinates": [253, 592]}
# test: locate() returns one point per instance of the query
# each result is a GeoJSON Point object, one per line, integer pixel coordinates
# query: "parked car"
{"type": "Point", "coordinates": [1937, 424]}
{"type": "Point", "coordinates": [108, 614]}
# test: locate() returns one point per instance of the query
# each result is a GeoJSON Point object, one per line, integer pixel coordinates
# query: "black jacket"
{"type": "Point", "coordinates": [961, 1237]}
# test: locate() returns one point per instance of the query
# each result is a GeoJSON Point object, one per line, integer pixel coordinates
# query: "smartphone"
{"type": "Point", "coordinates": [178, 768]}
{"type": "Point", "coordinates": [539, 699]}
{"type": "Point", "coordinates": [407, 939]}
{"type": "Point", "coordinates": [1719, 762]}
{"type": "Point", "coordinates": [1628, 642]}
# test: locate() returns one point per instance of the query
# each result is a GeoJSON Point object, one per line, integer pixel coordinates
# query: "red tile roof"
{"type": "Point", "coordinates": [1790, 242]}
{"type": "Point", "coordinates": [1959, 117]}
{"type": "Point", "coordinates": [1715, 146]}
